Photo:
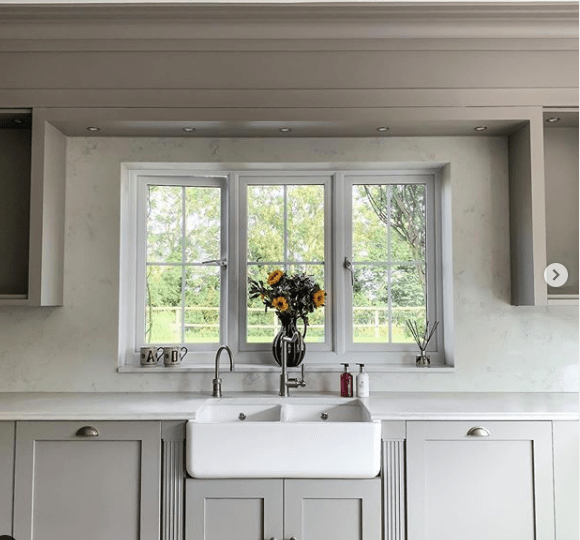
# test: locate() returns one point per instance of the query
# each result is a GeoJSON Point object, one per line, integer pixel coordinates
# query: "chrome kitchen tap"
{"type": "Point", "coordinates": [217, 382]}
{"type": "Point", "coordinates": [285, 382]}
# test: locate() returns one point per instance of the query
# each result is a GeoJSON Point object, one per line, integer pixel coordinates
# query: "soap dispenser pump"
{"type": "Point", "coordinates": [346, 382]}
{"type": "Point", "coordinates": [362, 382]}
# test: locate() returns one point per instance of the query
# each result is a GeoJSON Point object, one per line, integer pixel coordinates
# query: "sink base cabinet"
{"type": "Point", "coordinates": [72, 482]}
{"type": "Point", "coordinates": [476, 484]}
{"type": "Point", "coordinates": [317, 509]}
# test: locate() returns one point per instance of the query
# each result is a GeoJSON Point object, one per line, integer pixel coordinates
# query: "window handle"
{"type": "Point", "coordinates": [350, 268]}
{"type": "Point", "coordinates": [217, 262]}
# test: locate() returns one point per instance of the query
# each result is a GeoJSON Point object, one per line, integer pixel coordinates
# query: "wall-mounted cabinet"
{"type": "Point", "coordinates": [543, 162]}
{"type": "Point", "coordinates": [15, 149]}
{"type": "Point", "coordinates": [32, 183]}
{"type": "Point", "coordinates": [561, 180]}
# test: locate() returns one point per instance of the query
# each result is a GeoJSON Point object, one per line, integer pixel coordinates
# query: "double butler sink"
{"type": "Point", "coordinates": [283, 438]}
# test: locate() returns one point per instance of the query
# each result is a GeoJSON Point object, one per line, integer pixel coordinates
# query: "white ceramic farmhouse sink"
{"type": "Point", "coordinates": [283, 438]}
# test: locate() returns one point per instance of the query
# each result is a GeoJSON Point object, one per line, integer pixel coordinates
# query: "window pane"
{"type": "Point", "coordinates": [164, 219]}
{"type": "Point", "coordinates": [370, 304]}
{"type": "Point", "coordinates": [183, 297]}
{"type": "Point", "coordinates": [369, 226]}
{"type": "Point", "coordinates": [388, 232]}
{"type": "Point", "coordinates": [202, 304]}
{"type": "Point", "coordinates": [202, 223]}
{"type": "Point", "coordinates": [286, 228]}
{"type": "Point", "coordinates": [316, 319]}
{"type": "Point", "coordinates": [265, 223]}
{"type": "Point", "coordinates": [408, 300]}
{"type": "Point", "coordinates": [163, 304]}
{"type": "Point", "coordinates": [262, 327]}
{"type": "Point", "coordinates": [408, 222]}
{"type": "Point", "coordinates": [305, 223]}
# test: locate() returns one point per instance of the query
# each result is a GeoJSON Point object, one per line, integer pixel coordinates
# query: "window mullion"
{"type": "Point", "coordinates": [390, 267]}
{"type": "Point", "coordinates": [183, 207]}
{"type": "Point", "coordinates": [285, 228]}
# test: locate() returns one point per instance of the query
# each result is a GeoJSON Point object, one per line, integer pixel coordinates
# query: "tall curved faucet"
{"type": "Point", "coordinates": [217, 382]}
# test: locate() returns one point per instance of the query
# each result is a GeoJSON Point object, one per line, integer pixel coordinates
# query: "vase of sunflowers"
{"type": "Point", "coordinates": [293, 297]}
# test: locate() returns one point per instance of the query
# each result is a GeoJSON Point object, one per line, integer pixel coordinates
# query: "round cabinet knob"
{"type": "Point", "coordinates": [478, 431]}
{"type": "Point", "coordinates": [87, 431]}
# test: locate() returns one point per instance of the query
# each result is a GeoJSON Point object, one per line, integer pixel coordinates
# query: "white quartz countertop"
{"type": "Point", "coordinates": [383, 405]}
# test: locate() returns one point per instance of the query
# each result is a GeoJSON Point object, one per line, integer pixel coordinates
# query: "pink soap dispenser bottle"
{"type": "Point", "coordinates": [346, 382]}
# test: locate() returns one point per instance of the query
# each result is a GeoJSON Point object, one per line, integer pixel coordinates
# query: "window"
{"type": "Point", "coordinates": [192, 240]}
{"type": "Point", "coordinates": [286, 224]}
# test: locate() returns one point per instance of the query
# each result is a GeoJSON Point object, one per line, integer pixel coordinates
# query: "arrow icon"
{"type": "Point", "coordinates": [556, 275]}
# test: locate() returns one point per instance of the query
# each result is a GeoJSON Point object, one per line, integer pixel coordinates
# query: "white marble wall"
{"type": "Point", "coordinates": [498, 347]}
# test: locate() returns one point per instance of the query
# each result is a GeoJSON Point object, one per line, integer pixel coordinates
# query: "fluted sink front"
{"type": "Point", "coordinates": [283, 438]}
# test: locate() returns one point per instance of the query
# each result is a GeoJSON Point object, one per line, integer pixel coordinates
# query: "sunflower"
{"type": "Point", "coordinates": [275, 277]}
{"type": "Point", "coordinates": [319, 297]}
{"type": "Point", "coordinates": [280, 303]}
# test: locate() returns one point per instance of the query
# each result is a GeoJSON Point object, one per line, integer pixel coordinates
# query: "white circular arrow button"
{"type": "Point", "coordinates": [556, 275]}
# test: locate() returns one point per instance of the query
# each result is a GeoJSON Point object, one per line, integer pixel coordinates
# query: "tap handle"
{"type": "Point", "coordinates": [293, 339]}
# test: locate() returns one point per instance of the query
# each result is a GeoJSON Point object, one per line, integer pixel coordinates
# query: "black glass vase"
{"type": "Point", "coordinates": [296, 350]}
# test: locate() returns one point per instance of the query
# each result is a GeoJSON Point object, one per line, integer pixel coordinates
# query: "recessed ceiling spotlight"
{"type": "Point", "coordinates": [188, 129]}
{"type": "Point", "coordinates": [553, 119]}
{"type": "Point", "coordinates": [285, 130]}
{"type": "Point", "coordinates": [480, 128]}
{"type": "Point", "coordinates": [18, 120]}
{"type": "Point", "coordinates": [93, 128]}
{"type": "Point", "coordinates": [382, 129]}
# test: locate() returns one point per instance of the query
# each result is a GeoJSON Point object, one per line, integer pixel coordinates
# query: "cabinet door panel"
{"type": "Point", "coordinates": [496, 486]}
{"type": "Point", "coordinates": [228, 509]}
{"type": "Point", "coordinates": [69, 487]}
{"type": "Point", "coordinates": [332, 509]}
{"type": "Point", "coordinates": [6, 476]}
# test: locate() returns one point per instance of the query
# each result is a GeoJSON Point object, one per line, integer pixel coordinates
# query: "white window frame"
{"type": "Point", "coordinates": [278, 178]}
{"type": "Point", "coordinates": [431, 263]}
{"type": "Point", "coordinates": [338, 189]}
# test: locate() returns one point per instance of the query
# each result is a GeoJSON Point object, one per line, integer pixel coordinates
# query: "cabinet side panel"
{"type": "Point", "coordinates": [521, 238]}
{"type": "Point", "coordinates": [566, 480]}
{"type": "Point", "coordinates": [6, 476]}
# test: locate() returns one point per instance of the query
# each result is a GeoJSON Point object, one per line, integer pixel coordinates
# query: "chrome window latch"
{"type": "Point", "coordinates": [217, 262]}
{"type": "Point", "coordinates": [348, 265]}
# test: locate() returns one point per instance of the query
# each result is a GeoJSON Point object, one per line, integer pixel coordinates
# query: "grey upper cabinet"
{"type": "Point", "coordinates": [32, 211]}
{"type": "Point", "coordinates": [332, 509]}
{"type": "Point", "coordinates": [6, 476]}
{"type": "Point", "coordinates": [227, 509]}
{"type": "Point", "coordinates": [317, 509]}
{"type": "Point", "coordinates": [479, 481]}
{"type": "Point", "coordinates": [95, 481]}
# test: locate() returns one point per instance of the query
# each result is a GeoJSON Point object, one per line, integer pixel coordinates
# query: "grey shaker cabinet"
{"type": "Point", "coordinates": [228, 509]}
{"type": "Point", "coordinates": [316, 509]}
{"type": "Point", "coordinates": [6, 476]}
{"type": "Point", "coordinates": [463, 482]}
{"type": "Point", "coordinates": [89, 480]}
{"type": "Point", "coordinates": [332, 509]}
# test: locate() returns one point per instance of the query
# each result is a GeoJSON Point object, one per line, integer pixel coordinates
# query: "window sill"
{"type": "Point", "coordinates": [313, 368]}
